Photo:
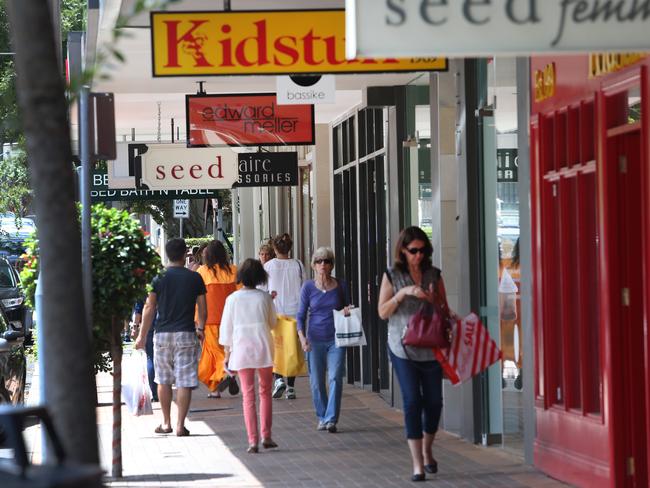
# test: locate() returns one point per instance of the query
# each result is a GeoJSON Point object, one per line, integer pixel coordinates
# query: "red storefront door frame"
{"type": "Point", "coordinates": [584, 449]}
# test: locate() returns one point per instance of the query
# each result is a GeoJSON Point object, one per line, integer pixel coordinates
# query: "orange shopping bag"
{"type": "Point", "coordinates": [472, 350]}
{"type": "Point", "coordinates": [288, 359]}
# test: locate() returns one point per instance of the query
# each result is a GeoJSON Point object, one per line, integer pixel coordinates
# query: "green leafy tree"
{"type": "Point", "coordinates": [124, 263]}
{"type": "Point", "coordinates": [16, 195]}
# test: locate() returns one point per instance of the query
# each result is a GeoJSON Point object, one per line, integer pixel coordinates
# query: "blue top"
{"type": "Point", "coordinates": [319, 305]}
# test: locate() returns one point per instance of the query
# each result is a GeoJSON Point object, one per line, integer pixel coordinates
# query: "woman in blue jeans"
{"type": "Point", "coordinates": [318, 298]}
{"type": "Point", "coordinates": [404, 287]}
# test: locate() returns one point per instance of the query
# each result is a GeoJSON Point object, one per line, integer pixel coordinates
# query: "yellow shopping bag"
{"type": "Point", "coordinates": [288, 359]}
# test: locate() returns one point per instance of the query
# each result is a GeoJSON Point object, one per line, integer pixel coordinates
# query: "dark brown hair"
{"type": "Point", "coordinates": [407, 236]}
{"type": "Point", "coordinates": [251, 273]}
{"type": "Point", "coordinates": [216, 256]}
{"type": "Point", "coordinates": [282, 244]}
{"type": "Point", "coordinates": [175, 249]}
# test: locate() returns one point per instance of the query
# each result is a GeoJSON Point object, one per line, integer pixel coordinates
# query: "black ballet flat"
{"type": "Point", "coordinates": [431, 468]}
{"type": "Point", "coordinates": [418, 477]}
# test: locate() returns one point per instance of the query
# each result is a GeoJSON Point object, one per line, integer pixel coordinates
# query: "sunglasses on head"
{"type": "Point", "coordinates": [324, 261]}
{"type": "Point", "coordinates": [415, 250]}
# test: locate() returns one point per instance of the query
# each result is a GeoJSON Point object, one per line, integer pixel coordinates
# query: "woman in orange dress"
{"type": "Point", "coordinates": [220, 278]}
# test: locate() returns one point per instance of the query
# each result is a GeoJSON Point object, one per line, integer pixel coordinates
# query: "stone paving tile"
{"type": "Point", "coordinates": [368, 451]}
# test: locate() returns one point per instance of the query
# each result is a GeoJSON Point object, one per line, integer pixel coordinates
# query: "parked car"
{"type": "Point", "coordinates": [12, 300]}
{"type": "Point", "coordinates": [13, 365]}
{"type": "Point", "coordinates": [13, 232]}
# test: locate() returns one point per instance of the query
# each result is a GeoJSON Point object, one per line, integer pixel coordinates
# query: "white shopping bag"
{"type": "Point", "coordinates": [349, 330]}
{"type": "Point", "coordinates": [136, 392]}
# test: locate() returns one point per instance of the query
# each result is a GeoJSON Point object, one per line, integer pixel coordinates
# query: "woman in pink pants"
{"type": "Point", "coordinates": [246, 323]}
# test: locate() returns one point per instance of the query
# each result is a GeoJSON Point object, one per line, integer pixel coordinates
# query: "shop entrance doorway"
{"type": "Point", "coordinates": [624, 164]}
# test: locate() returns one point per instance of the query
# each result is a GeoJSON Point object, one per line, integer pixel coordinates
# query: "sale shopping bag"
{"type": "Point", "coordinates": [288, 359]}
{"type": "Point", "coordinates": [472, 350]}
{"type": "Point", "coordinates": [136, 392]}
{"type": "Point", "coordinates": [349, 329]}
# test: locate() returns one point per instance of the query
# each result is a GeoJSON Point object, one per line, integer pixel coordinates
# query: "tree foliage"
{"type": "Point", "coordinates": [124, 263]}
{"type": "Point", "coordinates": [16, 194]}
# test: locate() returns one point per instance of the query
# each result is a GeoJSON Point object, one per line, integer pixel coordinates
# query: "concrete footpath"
{"type": "Point", "coordinates": [368, 451]}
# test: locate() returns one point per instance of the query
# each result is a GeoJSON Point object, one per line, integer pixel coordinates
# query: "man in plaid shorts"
{"type": "Point", "coordinates": [175, 294]}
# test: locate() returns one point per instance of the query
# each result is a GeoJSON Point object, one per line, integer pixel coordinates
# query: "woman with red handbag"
{"type": "Point", "coordinates": [411, 283]}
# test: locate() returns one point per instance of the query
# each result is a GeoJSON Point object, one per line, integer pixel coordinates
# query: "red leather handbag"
{"type": "Point", "coordinates": [430, 326]}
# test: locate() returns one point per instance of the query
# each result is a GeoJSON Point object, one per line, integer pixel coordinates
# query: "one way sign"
{"type": "Point", "coordinates": [182, 209]}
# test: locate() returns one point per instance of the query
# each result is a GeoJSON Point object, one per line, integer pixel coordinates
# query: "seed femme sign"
{"type": "Point", "coordinates": [488, 27]}
{"type": "Point", "coordinates": [246, 120]}
{"type": "Point", "coordinates": [262, 42]}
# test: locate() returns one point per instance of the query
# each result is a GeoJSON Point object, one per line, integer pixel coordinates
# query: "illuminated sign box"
{"type": "Point", "coordinates": [262, 42]}
{"type": "Point", "coordinates": [247, 120]}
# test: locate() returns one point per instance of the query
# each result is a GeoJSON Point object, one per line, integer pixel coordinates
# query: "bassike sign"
{"type": "Point", "coordinates": [247, 120]}
{"type": "Point", "coordinates": [290, 91]}
{"type": "Point", "coordinates": [486, 27]}
{"type": "Point", "coordinates": [262, 42]}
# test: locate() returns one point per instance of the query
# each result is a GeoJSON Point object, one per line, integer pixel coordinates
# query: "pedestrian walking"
{"type": "Point", "coordinates": [404, 287]}
{"type": "Point", "coordinates": [318, 299]}
{"type": "Point", "coordinates": [175, 295]}
{"type": "Point", "coordinates": [248, 317]}
{"type": "Point", "coordinates": [286, 277]}
{"type": "Point", "coordinates": [220, 278]}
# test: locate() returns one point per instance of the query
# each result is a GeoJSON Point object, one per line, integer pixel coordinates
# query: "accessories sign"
{"type": "Point", "coordinates": [489, 27]}
{"type": "Point", "coordinates": [247, 120]}
{"type": "Point", "coordinates": [263, 42]}
{"type": "Point", "coordinates": [268, 169]}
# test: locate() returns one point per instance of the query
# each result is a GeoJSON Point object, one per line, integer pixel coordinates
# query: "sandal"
{"type": "Point", "coordinates": [161, 430]}
{"type": "Point", "coordinates": [252, 449]}
{"type": "Point", "coordinates": [183, 432]}
{"type": "Point", "coordinates": [268, 443]}
{"type": "Point", "coordinates": [214, 394]}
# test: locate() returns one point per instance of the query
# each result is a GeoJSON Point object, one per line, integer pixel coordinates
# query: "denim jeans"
{"type": "Point", "coordinates": [421, 385]}
{"type": "Point", "coordinates": [323, 358]}
{"type": "Point", "coordinates": [148, 348]}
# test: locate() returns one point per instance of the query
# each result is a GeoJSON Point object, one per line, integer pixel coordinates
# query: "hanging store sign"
{"type": "Point", "coordinates": [175, 167]}
{"type": "Point", "coordinates": [296, 90]}
{"type": "Point", "coordinates": [263, 42]}
{"type": "Point", "coordinates": [488, 27]}
{"type": "Point", "coordinates": [507, 166]}
{"type": "Point", "coordinates": [100, 192]}
{"type": "Point", "coordinates": [247, 120]}
{"type": "Point", "coordinates": [268, 169]}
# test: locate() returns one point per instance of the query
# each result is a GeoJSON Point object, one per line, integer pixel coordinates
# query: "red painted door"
{"type": "Point", "coordinates": [628, 333]}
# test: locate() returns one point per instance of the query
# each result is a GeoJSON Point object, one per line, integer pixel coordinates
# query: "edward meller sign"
{"type": "Point", "coordinates": [247, 119]}
{"type": "Point", "coordinates": [486, 27]}
{"type": "Point", "coordinates": [262, 42]}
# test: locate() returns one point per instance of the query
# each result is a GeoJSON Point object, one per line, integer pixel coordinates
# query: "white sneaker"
{"type": "Point", "coordinates": [278, 388]}
{"type": "Point", "coordinates": [291, 393]}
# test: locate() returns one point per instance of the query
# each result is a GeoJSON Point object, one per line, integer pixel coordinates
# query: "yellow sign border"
{"type": "Point", "coordinates": [284, 20]}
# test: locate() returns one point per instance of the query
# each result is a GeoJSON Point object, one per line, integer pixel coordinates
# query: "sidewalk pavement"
{"type": "Point", "coordinates": [368, 451]}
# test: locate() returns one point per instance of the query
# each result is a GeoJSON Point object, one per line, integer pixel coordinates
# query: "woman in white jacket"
{"type": "Point", "coordinates": [248, 317]}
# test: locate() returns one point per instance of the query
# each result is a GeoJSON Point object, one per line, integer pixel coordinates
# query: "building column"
{"type": "Point", "coordinates": [321, 185]}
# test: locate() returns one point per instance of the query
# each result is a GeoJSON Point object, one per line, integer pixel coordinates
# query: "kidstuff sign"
{"type": "Point", "coordinates": [262, 42]}
{"type": "Point", "coordinates": [247, 120]}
